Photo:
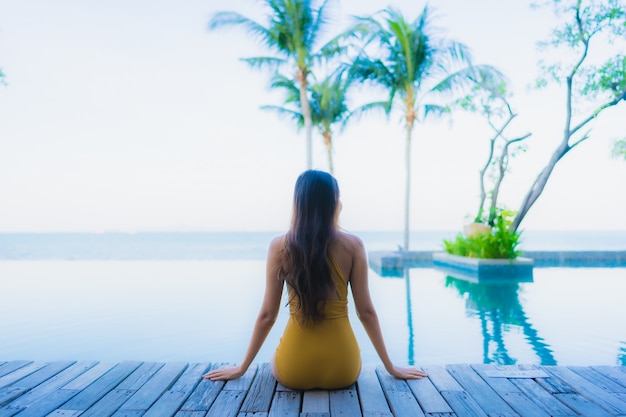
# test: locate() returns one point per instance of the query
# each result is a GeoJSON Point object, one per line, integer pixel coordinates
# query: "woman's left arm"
{"type": "Point", "coordinates": [265, 320]}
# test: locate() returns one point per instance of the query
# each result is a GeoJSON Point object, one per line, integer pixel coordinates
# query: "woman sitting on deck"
{"type": "Point", "coordinates": [317, 261]}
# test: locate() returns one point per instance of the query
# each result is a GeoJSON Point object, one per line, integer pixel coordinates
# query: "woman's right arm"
{"type": "Point", "coordinates": [367, 313]}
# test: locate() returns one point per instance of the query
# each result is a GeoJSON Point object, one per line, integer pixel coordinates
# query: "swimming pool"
{"type": "Point", "coordinates": [204, 311]}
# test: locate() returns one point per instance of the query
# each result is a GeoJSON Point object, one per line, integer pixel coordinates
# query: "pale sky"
{"type": "Point", "coordinates": [129, 115]}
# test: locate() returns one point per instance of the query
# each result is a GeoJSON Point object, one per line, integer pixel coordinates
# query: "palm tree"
{"type": "Point", "coordinates": [417, 68]}
{"type": "Point", "coordinates": [328, 103]}
{"type": "Point", "coordinates": [292, 33]}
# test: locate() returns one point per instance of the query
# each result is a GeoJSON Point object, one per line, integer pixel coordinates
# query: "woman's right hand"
{"type": "Point", "coordinates": [407, 373]}
{"type": "Point", "coordinates": [224, 374]}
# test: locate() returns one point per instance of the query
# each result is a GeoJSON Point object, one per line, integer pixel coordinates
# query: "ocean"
{"type": "Point", "coordinates": [252, 245]}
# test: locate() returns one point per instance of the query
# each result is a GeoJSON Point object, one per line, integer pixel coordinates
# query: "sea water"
{"type": "Point", "coordinates": [110, 297]}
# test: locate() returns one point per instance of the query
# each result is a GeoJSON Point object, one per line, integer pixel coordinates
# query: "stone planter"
{"type": "Point", "coordinates": [484, 270]}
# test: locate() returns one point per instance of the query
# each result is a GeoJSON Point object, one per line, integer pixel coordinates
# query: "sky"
{"type": "Point", "coordinates": [132, 116]}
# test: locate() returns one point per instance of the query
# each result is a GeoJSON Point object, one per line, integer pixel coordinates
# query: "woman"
{"type": "Point", "coordinates": [317, 261]}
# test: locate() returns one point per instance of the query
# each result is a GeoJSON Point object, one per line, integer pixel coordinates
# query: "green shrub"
{"type": "Point", "coordinates": [501, 243]}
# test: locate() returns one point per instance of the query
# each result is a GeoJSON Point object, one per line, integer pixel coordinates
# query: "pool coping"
{"type": "Point", "coordinates": [393, 262]}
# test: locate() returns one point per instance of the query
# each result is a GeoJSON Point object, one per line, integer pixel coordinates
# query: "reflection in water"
{"type": "Point", "coordinates": [409, 316]}
{"type": "Point", "coordinates": [498, 305]}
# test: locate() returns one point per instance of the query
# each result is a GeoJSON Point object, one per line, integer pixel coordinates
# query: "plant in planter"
{"type": "Point", "coordinates": [500, 242]}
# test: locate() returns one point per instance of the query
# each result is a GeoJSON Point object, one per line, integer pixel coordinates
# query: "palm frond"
{"type": "Point", "coordinates": [269, 62]}
{"type": "Point", "coordinates": [222, 19]}
{"type": "Point", "coordinates": [466, 77]}
{"type": "Point", "coordinates": [357, 113]}
{"type": "Point", "coordinates": [435, 110]}
{"type": "Point", "coordinates": [366, 69]}
{"type": "Point", "coordinates": [321, 18]}
{"type": "Point", "coordinates": [287, 84]}
{"type": "Point", "coordinates": [286, 113]}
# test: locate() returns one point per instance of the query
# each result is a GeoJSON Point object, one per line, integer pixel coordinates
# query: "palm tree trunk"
{"type": "Point", "coordinates": [306, 115]}
{"type": "Point", "coordinates": [407, 189]}
{"type": "Point", "coordinates": [329, 151]}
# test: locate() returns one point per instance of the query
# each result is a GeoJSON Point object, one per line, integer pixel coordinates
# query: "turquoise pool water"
{"type": "Point", "coordinates": [204, 311]}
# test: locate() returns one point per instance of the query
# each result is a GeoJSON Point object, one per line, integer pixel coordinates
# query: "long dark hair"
{"type": "Point", "coordinates": [306, 263]}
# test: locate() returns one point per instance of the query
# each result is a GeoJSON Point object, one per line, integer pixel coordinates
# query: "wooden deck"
{"type": "Point", "coordinates": [133, 389]}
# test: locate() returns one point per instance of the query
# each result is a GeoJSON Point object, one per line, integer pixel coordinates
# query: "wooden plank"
{"type": "Point", "coordinates": [89, 389]}
{"type": "Point", "coordinates": [462, 404]}
{"type": "Point", "coordinates": [204, 394]}
{"type": "Point", "coordinates": [243, 383]}
{"type": "Point", "coordinates": [371, 395]}
{"type": "Point", "coordinates": [190, 414]}
{"type": "Point", "coordinates": [441, 379]}
{"type": "Point", "coordinates": [64, 413]}
{"type": "Point", "coordinates": [582, 405]}
{"type": "Point", "coordinates": [523, 405]}
{"type": "Point", "coordinates": [140, 376]}
{"type": "Point", "coordinates": [145, 396]}
{"type": "Point", "coordinates": [345, 403]}
{"type": "Point", "coordinates": [598, 379]}
{"type": "Point", "coordinates": [498, 384]}
{"type": "Point", "coordinates": [9, 411]}
{"type": "Point", "coordinates": [509, 392]}
{"type": "Point", "coordinates": [512, 371]}
{"type": "Point", "coordinates": [428, 397]}
{"type": "Point", "coordinates": [42, 406]}
{"type": "Point", "coordinates": [403, 404]}
{"type": "Point", "coordinates": [316, 401]}
{"type": "Point", "coordinates": [261, 391]}
{"type": "Point", "coordinates": [286, 404]}
{"type": "Point", "coordinates": [401, 400]}
{"type": "Point", "coordinates": [554, 385]}
{"type": "Point", "coordinates": [390, 383]}
{"type": "Point", "coordinates": [480, 391]}
{"type": "Point", "coordinates": [281, 387]}
{"type": "Point", "coordinates": [113, 400]}
{"type": "Point", "coordinates": [42, 374]}
{"type": "Point", "coordinates": [87, 378]}
{"type": "Point", "coordinates": [612, 372]}
{"type": "Point", "coordinates": [51, 401]}
{"type": "Point", "coordinates": [109, 404]}
{"type": "Point", "coordinates": [542, 398]}
{"type": "Point", "coordinates": [9, 367]}
{"type": "Point", "coordinates": [94, 392]}
{"type": "Point", "coordinates": [51, 384]}
{"type": "Point", "coordinates": [172, 399]}
{"type": "Point", "coordinates": [227, 404]}
{"type": "Point", "coordinates": [22, 372]}
{"type": "Point", "coordinates": [589, 390]}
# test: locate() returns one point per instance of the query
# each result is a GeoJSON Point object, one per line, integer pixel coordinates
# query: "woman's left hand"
{"type": "Point", "coordinates": [224, 374]}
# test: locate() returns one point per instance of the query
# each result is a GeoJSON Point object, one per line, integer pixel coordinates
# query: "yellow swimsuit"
{"type": "Point", "coordinates": [322, 355]}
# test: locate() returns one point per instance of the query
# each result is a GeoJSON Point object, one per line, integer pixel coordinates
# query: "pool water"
{"type": "Point", "coordinates": [204, 311]}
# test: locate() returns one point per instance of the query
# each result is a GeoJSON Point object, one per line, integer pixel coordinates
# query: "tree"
{"type": "Point", "coordinates": [328, 103]}
{"type": "Point", "coordinates": [588, 85]}
{"type": "Point", "coordinates": [417, 69]}
{"type": "Point", "coordinates": [619, 149]}
{"type": "Point", "coordinates": [490, 99]}
{"type": "Point", "coordinates": [292, 33]}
